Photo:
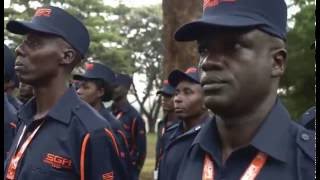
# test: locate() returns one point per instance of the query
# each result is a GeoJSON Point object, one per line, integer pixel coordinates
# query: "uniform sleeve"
{"type": "Point", "coordinates": [99, 157]}
{"type": "Point", "coordinates": [10, 128]}
{"type": "Point", "coordinates": [139, 151]}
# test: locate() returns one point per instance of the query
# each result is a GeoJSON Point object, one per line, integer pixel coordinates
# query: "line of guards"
{"type": "Point", "coordinates": [205, 135]}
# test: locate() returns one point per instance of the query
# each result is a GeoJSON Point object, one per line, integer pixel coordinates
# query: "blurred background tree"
{"type": "Point", "coordinates": [298, 84]}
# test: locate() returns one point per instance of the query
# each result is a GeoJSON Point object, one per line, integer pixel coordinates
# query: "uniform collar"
{"type": "Point", "coordinates": [8, 104]}
{"type": "Point", "coordinates": [104, 110]}
{"type": "Point", "coordinates": [179, 130]}
{"type": "Point", "coordinates": [61, 111]}
{"type": "Point", "coordinates": [125, 107]}
{"type": "Point", "coordinates": [273, 137]}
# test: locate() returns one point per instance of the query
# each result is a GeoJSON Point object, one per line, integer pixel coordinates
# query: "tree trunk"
{"type": "Point", "coordinates": [178, 55]}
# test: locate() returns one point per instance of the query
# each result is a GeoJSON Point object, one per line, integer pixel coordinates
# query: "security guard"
{"type": "Point", "coordinates": [166, 92]}
{"type": "Point", "coordinates": [11, 94]}
{"type": "Point", "coordinates": [59, 136]}
{"type": "Point", "coordinates": [96, 86]}
{"type": "Point", "coordinates": [132, 122]}
{"type": "Point", "coordinates": [169, 119]}
{"type": "Point", "coordinates": [10, 83]}
{"type": "Point", "coordinates": [242, 58]}
{"type": "Point", "coordinates": [308, 119]}
{"type": "Point", "coordinates": [10, 113]}
{"type": "Point", "coordinates": [189, 107]}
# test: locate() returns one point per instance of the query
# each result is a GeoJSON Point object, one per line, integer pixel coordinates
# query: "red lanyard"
{"type": "Point", "coordinates": [11, 172]}
{"type": "Point", "coordinates": [250, 174]}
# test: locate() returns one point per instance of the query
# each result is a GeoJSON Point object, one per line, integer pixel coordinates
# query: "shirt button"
{"type": "Point", "coordinates": [197, 128]}
{"type": "Point", "coordinates": [305, 136]}
{"type": "Point", "coordinates": [77, 107]}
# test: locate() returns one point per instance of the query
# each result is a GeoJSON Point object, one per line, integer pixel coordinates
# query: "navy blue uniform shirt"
{"type": "Point", "coordinates": [15, 102]}
{"type": "Point", "coordinates": [9, 125]}
{"type": "Point", "coordinates": [74, 142]}
{"type": "Point", "coordinates": [121, 138]}
{"type": "Point", "coordinates": [308, 118]}
{"type": "Point", "coordinates": [161, 130]}
{"type": "Point", "coordinates": [290, 150]}
{"type": "Point", "coordinates": [175, 143]}
{"type": "Point", "coordinates": [134, 127]}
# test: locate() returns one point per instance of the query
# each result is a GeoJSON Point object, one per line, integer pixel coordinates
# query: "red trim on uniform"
{"type": "Point", "coordinates": [133, 139]}
{"type": "Point", "coordinates": [13, 125]}
{"type": "Point", "coordinates": [124, 137]}
{"type": "Point", "coordinates": [82, 156]}
{"type": "Point", "coordinates": [114, 142]}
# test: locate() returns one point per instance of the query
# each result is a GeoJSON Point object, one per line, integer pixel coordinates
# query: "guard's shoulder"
{"type": "Point", "coordinates": [306, 142]}
{"type": "Point", "coordinates": [90, 118]}
{"type": "Point", "coordinates": [172, 128]}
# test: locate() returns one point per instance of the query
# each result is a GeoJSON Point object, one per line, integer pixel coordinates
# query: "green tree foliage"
{"type": "Point", "coordinates": [143, 30]}
{"type": "Point", "coordinates": [299, 80]}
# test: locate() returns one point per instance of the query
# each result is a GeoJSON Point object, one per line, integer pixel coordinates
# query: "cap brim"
{"type": "Point", "coordinates": [177, 76]}
{"type": "Point", "coordinates": [78, 77]}
{"type": "Point", "coordinates": [21, 27]}
{"type": "Point", "coordinates": [165, 91]}
{"type": "Point", "coordinates": [194, 30]}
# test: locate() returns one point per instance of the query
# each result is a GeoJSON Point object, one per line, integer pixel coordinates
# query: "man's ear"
{"type": "Point", "coordinates": [101, 92]}
{"type": "Point", "coordinates": [69, 56]}
{"type": "Point", "coordinates": [279, 62]}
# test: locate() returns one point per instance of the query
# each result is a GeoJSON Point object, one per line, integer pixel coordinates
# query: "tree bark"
{"type": "Point", "coordinates": [178, 55]}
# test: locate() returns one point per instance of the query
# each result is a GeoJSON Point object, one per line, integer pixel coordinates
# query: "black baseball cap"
{"type": "Point", "coordinates": [123, 80]}
{"type": "Point", "coordinates": [55, 21]}
{"type": "Point", "coordinates": [166, 89]}
{"type": "Point", "coordinates": [97, 71]}
{"type": "Point", "coordinates": [9, 60]}
{"type": "Point", "coordinates": [191, 74]}
{"type": "Point", "coordinates": [269, 16]}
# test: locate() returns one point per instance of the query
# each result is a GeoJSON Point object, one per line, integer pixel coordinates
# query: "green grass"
{"type": "Point", "coordinates": [148, 167]}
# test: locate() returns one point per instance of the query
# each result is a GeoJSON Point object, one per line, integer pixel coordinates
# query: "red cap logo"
{"type": "Point", "coordinates": [43, 12]}
{"type": "Point", "coordinates": [212, 3]}
{"type": "Point", "coordinates": [191, 70]}
{"type": "Point", "coordinates": [89, 66]}
{"type": "Point", "coordinates": [165, 82]}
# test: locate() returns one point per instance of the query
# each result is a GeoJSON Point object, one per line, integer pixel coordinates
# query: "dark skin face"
{"type": "Point", "coordinates": [90, 92]}
{"type": "Point", "coordinates": [240, 73]}
{"type": "Point", "coordinates": [40, 56]}
{"type": "Point", "coordinates": [188, 100]}
{"type": "Point", "coordinates": [167, 102]}
{"type": "Point", "coordinates": [239, 69]}
{"type": "Point", "coordinates": [119, 92]}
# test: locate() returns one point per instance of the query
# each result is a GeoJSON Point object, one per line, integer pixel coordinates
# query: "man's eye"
{"type": "Point", "coordinates": [31, 43]}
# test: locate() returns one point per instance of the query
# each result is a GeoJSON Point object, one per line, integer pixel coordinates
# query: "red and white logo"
{"type": "Point", "coordinates": [108, 176]}
{"type": "Point", "coordinates": [212, 3]}
{"type": "Point", "coordinates": [57, 162]}
{"type": "Point", "coordinates": [191, 70]}
{"type": "Point", "coordinates": [89, 66]}
{"type": "Point", "coordinates": [43, 12]}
